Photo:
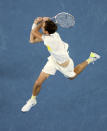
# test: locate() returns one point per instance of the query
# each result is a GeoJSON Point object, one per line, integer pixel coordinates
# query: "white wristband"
{"type": "Point", "coordinates": [34, 26]}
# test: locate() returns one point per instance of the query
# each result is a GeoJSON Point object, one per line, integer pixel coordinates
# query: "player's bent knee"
{"type": "Point", "coordinates": [73, 77]}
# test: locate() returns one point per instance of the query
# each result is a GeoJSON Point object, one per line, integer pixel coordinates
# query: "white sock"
{"type": "Point", "coordinates": [33, 97]}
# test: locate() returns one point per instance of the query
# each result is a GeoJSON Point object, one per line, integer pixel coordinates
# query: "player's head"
{"type": "Point", "coordinates": [50, 27]}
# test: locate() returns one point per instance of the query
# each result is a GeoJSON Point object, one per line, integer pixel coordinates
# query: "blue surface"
{"type": "Point", "coordinates": [63, 105]}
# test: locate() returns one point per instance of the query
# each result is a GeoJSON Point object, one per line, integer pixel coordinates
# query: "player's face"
{"type": "Point", "coordinates": [43, 28]}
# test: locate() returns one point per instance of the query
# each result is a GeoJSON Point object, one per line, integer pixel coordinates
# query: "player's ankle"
{"type": "Point", "coordinates": [89, 60]}
{"type": "Point", "coordinates": [33, 97]}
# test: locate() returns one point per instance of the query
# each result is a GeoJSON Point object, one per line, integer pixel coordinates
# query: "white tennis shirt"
{"type": "Point", "coordinates": [56, 47]}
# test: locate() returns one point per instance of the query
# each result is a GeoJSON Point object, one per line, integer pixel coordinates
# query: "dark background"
{"type": "Point", "coordinates": [63, 105]}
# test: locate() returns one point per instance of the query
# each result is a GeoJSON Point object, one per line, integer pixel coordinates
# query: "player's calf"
{"type": "Point", "coordinates": [80, 67]}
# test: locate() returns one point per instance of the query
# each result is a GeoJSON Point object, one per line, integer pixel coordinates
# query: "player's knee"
{"type": "Point", "coordinates": [73, 77]}
{"type": "Point", "coordinates": [38, 83]}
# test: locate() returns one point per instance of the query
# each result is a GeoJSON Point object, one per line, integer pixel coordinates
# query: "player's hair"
{"type": "Point", "coordinates": [50, 26]}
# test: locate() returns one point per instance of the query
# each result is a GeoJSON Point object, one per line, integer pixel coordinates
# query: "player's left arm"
{"type": "Point", "coordinates": [35, 35]}
{"type": "Point", "coordinates": [35, 32]}
{"type": "Point", "coordinates": [34, 39]}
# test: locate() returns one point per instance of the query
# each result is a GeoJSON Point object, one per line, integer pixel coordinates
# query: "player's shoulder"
{"type": "Point", "coordinates": [56, 34]}
{"type": "Point", "coordinates": [51, 36]}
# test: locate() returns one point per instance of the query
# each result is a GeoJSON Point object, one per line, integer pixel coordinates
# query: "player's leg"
{"type": "Point", "coordinates": [38, 83]}
{"type": "Point", "coordinates": [36, 89]}
{"type": "Point", "coordinates": [80, 67]}
{"type": "Point", "coordinates": [49, 69]}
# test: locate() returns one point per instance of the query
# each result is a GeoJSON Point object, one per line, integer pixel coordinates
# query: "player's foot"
{"type": "Point", "coordinates": [30, 103]}
{"type": "Point", "coordinates": [93, 57]}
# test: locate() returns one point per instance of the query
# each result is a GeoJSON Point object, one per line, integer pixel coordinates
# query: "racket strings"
{"type": "Point", "coordinates": [65, 20]}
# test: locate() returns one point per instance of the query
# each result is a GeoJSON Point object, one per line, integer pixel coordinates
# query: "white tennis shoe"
{"type": "Point", "coordinates": [29, 104]}
{"type": "Point", "coordinates": [93, 57]}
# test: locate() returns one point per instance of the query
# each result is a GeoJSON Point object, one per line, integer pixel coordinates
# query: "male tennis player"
{"type": "Point", "coordinates": [59, 58]}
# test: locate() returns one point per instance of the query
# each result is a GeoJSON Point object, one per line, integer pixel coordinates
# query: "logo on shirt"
{"type": "Point", "coordinates": [48, 47]}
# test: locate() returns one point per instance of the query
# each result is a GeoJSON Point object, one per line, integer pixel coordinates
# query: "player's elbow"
{"type": "Point", "coordinates": [31, 41]}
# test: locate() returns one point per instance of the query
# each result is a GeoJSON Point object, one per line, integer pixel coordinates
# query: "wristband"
{"type": "Point", "coordinates": [34, 26]}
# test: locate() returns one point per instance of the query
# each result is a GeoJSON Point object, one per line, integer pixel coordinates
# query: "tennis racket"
{"type": "Point", "coordinates": [64, 19]}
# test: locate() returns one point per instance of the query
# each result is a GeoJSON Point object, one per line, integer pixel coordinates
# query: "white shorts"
{"type": "Point", "coordinates": [51, 67]}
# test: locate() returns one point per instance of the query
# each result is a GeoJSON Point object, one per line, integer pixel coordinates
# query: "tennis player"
{"type": "Point", "coordinates": [59, 58]}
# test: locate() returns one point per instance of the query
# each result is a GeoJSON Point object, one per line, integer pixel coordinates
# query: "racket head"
{"type": "Point", "coordinates": [64, 19]}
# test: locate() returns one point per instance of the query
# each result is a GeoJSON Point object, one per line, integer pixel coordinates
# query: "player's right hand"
{"type": "Point", "coordinates": [46, 18]}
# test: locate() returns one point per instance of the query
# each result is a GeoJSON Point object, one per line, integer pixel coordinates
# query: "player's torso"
{"type": "Point", "coordinates": [56, 47]}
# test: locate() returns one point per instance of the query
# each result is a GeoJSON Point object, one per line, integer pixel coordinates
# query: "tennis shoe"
{"type": "Point", "coordinates": [93, 57]}
{"type": "Point", "coordinates": [29, 104]}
